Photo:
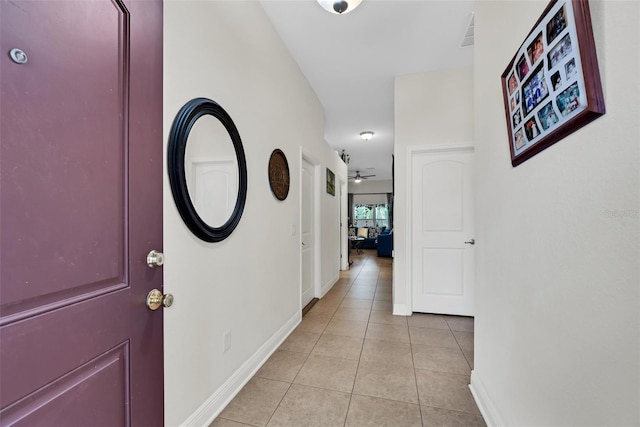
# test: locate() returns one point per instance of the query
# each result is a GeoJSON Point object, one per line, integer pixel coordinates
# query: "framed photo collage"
{"type": "Point", "coordinates": [552, 85]}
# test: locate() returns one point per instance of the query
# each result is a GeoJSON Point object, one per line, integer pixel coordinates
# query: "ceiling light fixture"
{"type": "Point", "coordinates": [339, 7]}
{"type": "Point", "coordinates": [366, 135]}
{"type": "Point", "coordinates": [358, 179]}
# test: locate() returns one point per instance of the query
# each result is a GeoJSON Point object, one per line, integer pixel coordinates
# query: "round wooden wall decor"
{"type": "Point", "coordinates": [279, 174]}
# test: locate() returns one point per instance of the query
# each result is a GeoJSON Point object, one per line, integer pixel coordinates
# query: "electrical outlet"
{"type": "Point", "coordinates": [226, 341]}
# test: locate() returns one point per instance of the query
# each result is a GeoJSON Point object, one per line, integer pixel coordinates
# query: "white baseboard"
{"type": "Point", "coordinates": [212, 407]}
{"type": "Point", "coordinates": [401, 310]}
{"type": "Point", "coordinates": [485, 404]}
{"type": "Point", "coordinates": [327, 286]}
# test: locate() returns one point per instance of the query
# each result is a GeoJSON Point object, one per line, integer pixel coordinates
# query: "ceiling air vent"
{"type": "Point", "coordinates": [467, 40]}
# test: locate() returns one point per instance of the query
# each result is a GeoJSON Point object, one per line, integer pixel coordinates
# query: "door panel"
{"type": "Point", "coordinates": [442, 181]}
{"type": "Point", "coordinates": [307, 233]}
{"type": "Point", "coordinates": [81, 169]}
{"type": "Point", "coordinates": [80, 207]}
{"type": "Point", "coordinates": [102, 379]}
{"type": "Point", "coordinates": [442, 220]}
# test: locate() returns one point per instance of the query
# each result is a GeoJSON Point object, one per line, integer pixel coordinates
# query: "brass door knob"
{"type": "Point", "coordinates": [155, 299]}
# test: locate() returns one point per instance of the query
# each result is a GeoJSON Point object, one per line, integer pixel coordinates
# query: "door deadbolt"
{"type": "Point", "coordinates": [155, 259]}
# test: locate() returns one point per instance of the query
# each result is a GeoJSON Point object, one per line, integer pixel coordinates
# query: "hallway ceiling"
{"type": "Point", "coordinates": [351, 60]}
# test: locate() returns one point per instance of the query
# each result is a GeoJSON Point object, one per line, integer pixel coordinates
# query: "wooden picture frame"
{"type": "Point", "coordinates": [331, 182]}
{"type": "Point", "coordinates": [552, 87]}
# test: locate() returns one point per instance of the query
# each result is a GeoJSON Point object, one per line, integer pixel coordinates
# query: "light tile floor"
{"type": "Point", "coordinates": [352, 363]}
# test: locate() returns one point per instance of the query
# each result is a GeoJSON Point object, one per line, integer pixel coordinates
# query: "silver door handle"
{"type": "Point", "coordinates": [155, 259]}
{"type": "Point", "coordinates": [471, 242]}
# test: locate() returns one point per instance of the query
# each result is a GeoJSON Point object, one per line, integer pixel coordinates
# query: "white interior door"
{"type": "Point", "coordinates": [214, 184]}
{"type": "Point", "coordinates": [442, 232]}
{"type": "Point", "coordinates": [307, 233]}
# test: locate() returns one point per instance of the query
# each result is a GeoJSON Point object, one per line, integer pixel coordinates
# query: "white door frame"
{"type": "Point", "coordinates": [411, 151]}
{"type": "Point", "coordinates": [316, 223]}
{"type": "Point", "coordinates": [344, 230]}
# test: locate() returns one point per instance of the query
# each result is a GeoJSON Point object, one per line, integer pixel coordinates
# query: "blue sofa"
{"type": "Point", "coordinates": [384, 243]}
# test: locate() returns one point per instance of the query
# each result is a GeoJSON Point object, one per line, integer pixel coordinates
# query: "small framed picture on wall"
{"type": "Point", "coordinates": [331, 182]}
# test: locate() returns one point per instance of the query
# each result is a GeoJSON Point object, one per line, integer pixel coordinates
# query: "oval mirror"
{"type": "Point", "coordinates": [207, 169]}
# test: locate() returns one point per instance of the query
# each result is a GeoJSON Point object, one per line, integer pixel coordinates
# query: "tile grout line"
{"type": "Point", "coordinates": [359, 358]}
{"type": "Point", "coordinates": [307, 358]}
{"type": "Point", "coordinates": [351, 282]}
{"type": "Point", "coordinates": [415, 375]}
{"type": "Point", "coordinates": [346, 415]}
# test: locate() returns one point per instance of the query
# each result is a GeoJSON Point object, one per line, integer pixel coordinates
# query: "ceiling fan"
{"type": "Point", "coordinates": [358, 177]}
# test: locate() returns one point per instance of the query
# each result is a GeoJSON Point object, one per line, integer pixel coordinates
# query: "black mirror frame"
{"type": "Point", "coordinates": [182, 124]}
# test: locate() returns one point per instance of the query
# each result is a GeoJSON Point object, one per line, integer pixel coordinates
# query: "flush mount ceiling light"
{"type": "Point", "coordinates": [366, 135]}
{"type": "Point", "coordinates": [339, 7]}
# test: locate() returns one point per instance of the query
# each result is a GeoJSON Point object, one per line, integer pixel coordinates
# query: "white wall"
{"type": "Point", "coordinates": [557, 337]}
{"type": "Point", "coordinates": [366, 186]}
{"type": "Point", "coordinates": [248, 284]}
{"type": "Point", "coordinates": [433, 108]}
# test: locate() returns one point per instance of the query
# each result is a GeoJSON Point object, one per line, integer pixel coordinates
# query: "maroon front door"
{"type": "Point", "coordinates": [80, 208]}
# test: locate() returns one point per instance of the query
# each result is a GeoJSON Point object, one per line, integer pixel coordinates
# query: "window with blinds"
{"type": "Point", "coordinates": [371, 215]}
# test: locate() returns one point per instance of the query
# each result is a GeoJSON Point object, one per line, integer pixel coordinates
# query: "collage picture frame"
{"type": "Point", "coordinates": [552, 85]}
